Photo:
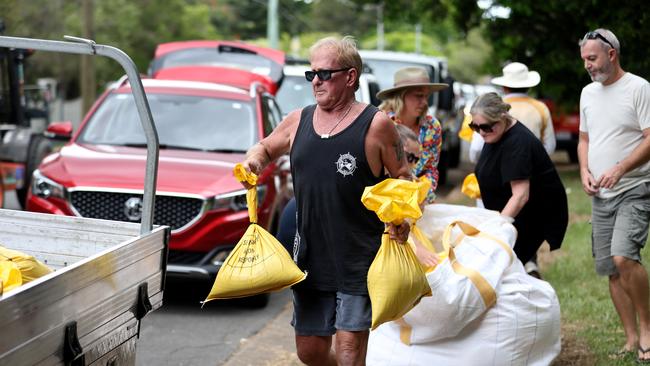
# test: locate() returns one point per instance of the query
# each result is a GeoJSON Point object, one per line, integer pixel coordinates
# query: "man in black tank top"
{"type": "Point", "coordinates": [337, 147]}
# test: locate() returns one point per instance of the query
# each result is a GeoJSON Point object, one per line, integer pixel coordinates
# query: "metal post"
{"type": "Point", "coordinates": [418, 38]}
{"type": "Point", "coordinates": [380, 27]}
{"type": "Point", "coordinates": [88, 47]}
{"type": "Point", "coordinates": [272, 24]}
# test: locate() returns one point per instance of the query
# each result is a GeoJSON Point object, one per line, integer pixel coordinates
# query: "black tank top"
{"type": "Point", "coordinates": [337, 236]}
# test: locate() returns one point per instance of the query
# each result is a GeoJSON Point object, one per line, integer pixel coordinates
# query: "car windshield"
{"type": "Point", "coordinates": [384, 71]}
{"type": "Point", "coordinates": [182, 122]}
{"type": "Point", "coordinates": [296, 92]}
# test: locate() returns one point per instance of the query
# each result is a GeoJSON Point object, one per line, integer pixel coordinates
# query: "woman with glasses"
{"type": "Point", "coordinates": [407, 104]}
{"type": "Point", "coordinates": [517, 178]}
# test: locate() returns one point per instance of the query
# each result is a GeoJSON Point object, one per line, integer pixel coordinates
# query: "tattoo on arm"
{"type": "Point", "coordinates": [399, 150]}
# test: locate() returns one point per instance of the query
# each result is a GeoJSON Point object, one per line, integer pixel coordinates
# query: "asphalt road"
{"type": "Point", "coordinates": [181, 333]}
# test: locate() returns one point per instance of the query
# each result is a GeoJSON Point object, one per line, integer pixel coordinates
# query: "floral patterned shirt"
{"type": "Point", "coordinates": [430, 138]}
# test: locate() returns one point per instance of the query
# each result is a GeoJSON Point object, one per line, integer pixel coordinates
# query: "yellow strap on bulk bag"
{"type": "Point", "coordinates": [485, 289]}
{"type": "Point", "coordinates": [258, 263]}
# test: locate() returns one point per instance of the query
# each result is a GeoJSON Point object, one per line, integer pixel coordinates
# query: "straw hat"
{"type": "Point", "coordinates": [411, 77]}
{"type": "Point", "coordinates": [516, 75]}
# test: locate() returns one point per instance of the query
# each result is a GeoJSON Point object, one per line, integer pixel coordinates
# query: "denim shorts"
{"type": "Point", "coordinates": [619, 227]}
{"type": "Point", "coordinates": [322, 313]}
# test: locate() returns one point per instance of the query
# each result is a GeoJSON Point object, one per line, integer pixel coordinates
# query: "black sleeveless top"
{"type": "Point", "coordinates": [337, 237]}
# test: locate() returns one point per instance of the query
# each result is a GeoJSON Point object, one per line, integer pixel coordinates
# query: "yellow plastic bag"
{"type": "Point", "coordinates": [30, 268]}
{"type": "Point", "coordinates": [424, 184]}
{"type": "Point", "coordinates": [10, 276]}
{"type": "Point", "coordinates": [470, 187]}
{"type": "Point", "coordinates": [465, 132]}
{"type": "Point", "coordinates": [258, 263]}
{"type": "Point", "coordinates": [393, 200]}
{"type": "Point", "coordinates": [396, 281]}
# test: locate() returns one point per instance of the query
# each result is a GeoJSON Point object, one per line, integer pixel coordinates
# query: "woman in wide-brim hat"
{"type": "Point", "coordinates": [407, 104]}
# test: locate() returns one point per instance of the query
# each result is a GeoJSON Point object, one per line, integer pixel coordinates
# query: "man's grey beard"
{"type": "Point", "coordinates": [603, 74]}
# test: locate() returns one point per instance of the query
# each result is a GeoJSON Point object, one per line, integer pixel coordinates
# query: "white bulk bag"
{"type": "Point", "coordinates": [514, 319]}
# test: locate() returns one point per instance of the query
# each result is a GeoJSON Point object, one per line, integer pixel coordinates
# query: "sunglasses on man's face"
{"type": "Point", "coordinates": [596, 35]}
{"type": "Point", "coordinates": [485, 127]}
{"type": "Point", "coordinates": [323, 74]}
{"type": "Point", "coordinates": [412, 158]}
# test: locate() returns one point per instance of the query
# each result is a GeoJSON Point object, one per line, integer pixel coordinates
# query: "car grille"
{"type": "Point", "coordinates": [173, 211]}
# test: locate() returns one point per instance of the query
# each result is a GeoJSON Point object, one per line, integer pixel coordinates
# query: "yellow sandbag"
{"type": "Point", "coordinates": [10, 276]}
{"type": "Point", "coordinates": [470, 187]}
{"type": "Point", "coordinates": [30, 268]}
{"type": "Point", "coordinates": [396, 281]}
{"type": "Point", "coordinates": [465, 132]}
{"type": "Point", "coordinates": [258, 263]}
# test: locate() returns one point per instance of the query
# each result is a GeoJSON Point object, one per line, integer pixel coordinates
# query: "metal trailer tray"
{"type": "Point", "coordinates": [105, 275]}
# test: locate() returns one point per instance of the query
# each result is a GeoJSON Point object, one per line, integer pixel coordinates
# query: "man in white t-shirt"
{"type": "Point", "coordinates": [614, 154]}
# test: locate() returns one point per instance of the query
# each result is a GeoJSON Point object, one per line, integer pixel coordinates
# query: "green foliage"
{"type": "Point", "coordinates": [468, 56]}
{"type": "Point", "coordinates": [405, 41]}
{"type": "Point", "coordinates": [544, 35]}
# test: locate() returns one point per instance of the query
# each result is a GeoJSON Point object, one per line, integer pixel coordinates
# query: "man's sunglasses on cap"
{"type": "Point", "coordinates": [485, 127]}
{"type": "Point", "coordinates": [596, 35]}
{"type": "Point", "coordinates": [323, 74]}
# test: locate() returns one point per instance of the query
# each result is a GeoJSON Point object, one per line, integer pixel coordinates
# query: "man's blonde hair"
{"type": "Point", "coordinates": [347, 54]}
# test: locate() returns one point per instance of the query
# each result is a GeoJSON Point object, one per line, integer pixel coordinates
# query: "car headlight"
{"type": "Point", "coordinates": [45, 187]}
{"type": "Point", "coordinates": [237, 200]}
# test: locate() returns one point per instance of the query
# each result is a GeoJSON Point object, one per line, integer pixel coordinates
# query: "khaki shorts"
{"type": "Point", "coordinates": [619, 227]}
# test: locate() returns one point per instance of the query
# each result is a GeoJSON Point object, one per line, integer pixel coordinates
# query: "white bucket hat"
{"type": "Point", "coordinates": [411, 77]}
{"type": "Point", "coordinates": [516, 75]}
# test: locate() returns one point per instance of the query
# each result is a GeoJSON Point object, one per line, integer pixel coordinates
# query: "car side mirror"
{"type": "Point", "coordinates": [59, 130]}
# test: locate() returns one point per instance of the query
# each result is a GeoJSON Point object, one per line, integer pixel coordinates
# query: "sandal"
{"type": "Point", "coordinates": [643, 351]}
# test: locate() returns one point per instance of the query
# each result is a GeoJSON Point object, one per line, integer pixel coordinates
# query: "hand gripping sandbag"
{"type": "Point", "coordinates": [396, 281]}
{"type": "Point", "coordinates": [258, 263]}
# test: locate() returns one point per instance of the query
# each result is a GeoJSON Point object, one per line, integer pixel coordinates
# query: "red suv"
{"type": "Point", "coordinates": [204, 130]}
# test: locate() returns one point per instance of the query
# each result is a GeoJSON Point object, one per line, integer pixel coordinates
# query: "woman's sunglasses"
{"type": "Point", "coordinates": [323, 74]}
{"type": "Point", "coordinates": [485, 127]}
{"type": "Point", "coordinates": [412, 158]}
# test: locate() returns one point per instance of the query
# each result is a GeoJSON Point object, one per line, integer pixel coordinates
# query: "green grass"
{"type": "Point", "coordinates": [584, 297]}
